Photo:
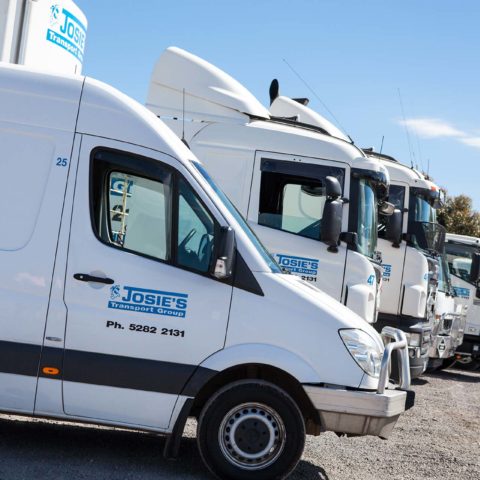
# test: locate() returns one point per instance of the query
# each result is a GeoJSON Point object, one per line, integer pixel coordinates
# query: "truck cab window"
{"type": "Point", "coordinates": [138, 214]}
{"type": "Point", "coordinates": [459, 259]}
{"type": "Point", "coordinates": [396, 196]}
{"type": "Point", "coordinates": [196, 230]}
{"type": "Point", "coordinates": [292, 203]}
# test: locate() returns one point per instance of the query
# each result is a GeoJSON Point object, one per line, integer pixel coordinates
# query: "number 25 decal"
{"type": "Point", "coordinates": [61, 162]}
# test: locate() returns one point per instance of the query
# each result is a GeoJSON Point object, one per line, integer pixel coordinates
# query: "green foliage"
{"type": "Point", "coordinates": [458, 216]}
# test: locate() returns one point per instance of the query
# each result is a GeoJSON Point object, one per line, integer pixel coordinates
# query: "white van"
{"type": "Point", "coordinates": [133, 294]}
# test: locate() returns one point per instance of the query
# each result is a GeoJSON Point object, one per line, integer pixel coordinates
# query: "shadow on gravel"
{"type": "Point", "coordinates": [457, 375]}
{"type": "Point", "coordinates": [40, 450]}
{"type": "Point", "coordinates": [37, 450]}
{"type": "Point", "coordinates": [419, 381]}
{"type": "Point", "coordinates": [307, 471]}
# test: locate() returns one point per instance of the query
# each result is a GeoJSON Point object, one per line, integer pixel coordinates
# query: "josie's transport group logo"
{"type": "Point", "coordinates": [143, 300]}
{"type": "Point", "coordinates": [67, 31]}
{"type": "Point", "coordinates": [298, 265]}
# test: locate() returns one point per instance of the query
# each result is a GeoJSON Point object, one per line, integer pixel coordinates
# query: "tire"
{"type": "Point", "coordinates": [252, 430]}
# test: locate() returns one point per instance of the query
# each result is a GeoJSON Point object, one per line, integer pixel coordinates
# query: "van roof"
{"type": "Point", "coordinates": [47, 100]}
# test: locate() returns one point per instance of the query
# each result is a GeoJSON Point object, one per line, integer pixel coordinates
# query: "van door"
{"type": "Point", "coordinates": [286, 206]}
{"type": "Point", "coordinates": [143, 310]}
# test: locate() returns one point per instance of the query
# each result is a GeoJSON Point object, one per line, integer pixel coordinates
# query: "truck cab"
{"type": "Point", "coordinates": [310, 195]}
{"type": "Point", "coordinates": [133, 294]}
{"type": "Point", "coordinates": [449, 319]}
{"type": "Point", "coordinates": [463, 256]}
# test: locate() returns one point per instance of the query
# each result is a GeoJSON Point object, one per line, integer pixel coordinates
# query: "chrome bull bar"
{"type": "Point", "coordinates": [394, 339]}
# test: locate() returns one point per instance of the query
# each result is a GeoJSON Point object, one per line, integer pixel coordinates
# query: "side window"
{"type": "Point", "coordinates": [196, 230]}
{"type": "Point", "coordinates": [140, 205]}
{"type": "Point", "coordinates": [139, 218]}
{"type": "Point", "coordinates": [396, 196]}
{"type": "Point", "coordinates": [294, 202]}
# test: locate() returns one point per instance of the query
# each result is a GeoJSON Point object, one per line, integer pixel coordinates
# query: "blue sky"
{"type": "Point", "coordinates": [356, 55]}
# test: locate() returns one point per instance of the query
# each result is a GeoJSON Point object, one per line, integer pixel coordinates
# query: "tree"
{"type": "Point", "coordinates": [458, 216]}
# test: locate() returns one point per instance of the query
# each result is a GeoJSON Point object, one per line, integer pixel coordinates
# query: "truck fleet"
{"type": "Point", "coordinates": [206, 256]}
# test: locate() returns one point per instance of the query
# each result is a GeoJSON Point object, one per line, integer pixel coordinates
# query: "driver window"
{"type": "Point", "coordinates": [138, 214]}
{"type": "Point", "coordinates": [195, 231]}
{"type": "Point", "coordinates": [396, 195]}
{"type": "Point", "coordinates": [292, 203]}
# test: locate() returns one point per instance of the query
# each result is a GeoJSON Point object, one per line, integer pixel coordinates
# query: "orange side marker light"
{"type": "Point", "coordinates": [50, 371]}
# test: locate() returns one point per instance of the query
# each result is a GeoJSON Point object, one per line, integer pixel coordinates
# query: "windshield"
{"type": "Point", "coordinates": [459, 257]}
{"type": "Point", "coordinates": [422, 205]}
{"type": "Point", "coordinates": [367, 223]}
{"type": "Point", "coordinates": [425, 233]}
{"type": "Point", "coordinates": [240, 220]}
{"type": "Point", "coordinates": [444, 284]}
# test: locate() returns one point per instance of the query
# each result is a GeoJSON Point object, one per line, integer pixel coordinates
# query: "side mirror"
{"type": "Point", "coordinates": [223, 266]}
{"type": "Point", "coordinates": [393, 229]}
{"type": "Point", "coordinates": [333, 188]}
{"type": "Point", "coordinates": [331, 225]}
{"type": "Point", "coordinates": [475, 270]}
{"type": "Point", "coordinates": [386, 208]}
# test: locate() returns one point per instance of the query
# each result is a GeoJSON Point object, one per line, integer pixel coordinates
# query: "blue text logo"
{"type": "Point", "coordinates": [144, 300]}
{"type": "Point", "coordinates": [300, 265]}
{"type": "Point", "coordinates": [387, 270]}
{"type": "Point", "coordinates": [371, 279]}
{"type": "Point", "coordinates": [68, 32]}
{"type": "Point", "coordinates": [462, 292]}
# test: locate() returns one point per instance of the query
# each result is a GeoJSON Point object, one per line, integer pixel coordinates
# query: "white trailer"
{"type": "Point", "coordinates": [43, 34]}
{"type": "Point", "coordinates": [167, 306]}
{"type": "Point", "coordinates": [310, 195]}
{"type": "Point", "coordinates": [463, 254]}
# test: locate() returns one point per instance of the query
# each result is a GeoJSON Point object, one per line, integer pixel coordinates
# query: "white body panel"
{"type": "Point", "coordinates": [43, 35]}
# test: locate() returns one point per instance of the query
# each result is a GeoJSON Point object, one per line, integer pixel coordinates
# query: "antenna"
{"type": "Point", "coordinates": [412, 155]}
{"type": "Point", "coordinates": [381, 145]}
{"type": "Point", "coordinates": [316, 96]}
{"type": "Point", "coordinates": [183, 122]}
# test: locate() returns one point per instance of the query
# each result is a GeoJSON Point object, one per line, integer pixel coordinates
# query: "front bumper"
{"type": "Point", "coordinates": [361, 412]}
{"type": "Point", "coordinates": [447, 335]}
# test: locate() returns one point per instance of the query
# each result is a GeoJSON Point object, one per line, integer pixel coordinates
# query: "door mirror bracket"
{"type": "Point", "coordinates": [225, 254]}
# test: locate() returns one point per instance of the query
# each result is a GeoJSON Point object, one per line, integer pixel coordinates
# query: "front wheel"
{"type": "Point", "coordinates": [251, 430]}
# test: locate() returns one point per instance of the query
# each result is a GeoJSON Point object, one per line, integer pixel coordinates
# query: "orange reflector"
{"type": "Point", "coordinates": [50, 371]}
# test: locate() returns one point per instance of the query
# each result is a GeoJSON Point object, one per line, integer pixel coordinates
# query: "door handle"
{"type": "Point", "coordinates": [85, 277]}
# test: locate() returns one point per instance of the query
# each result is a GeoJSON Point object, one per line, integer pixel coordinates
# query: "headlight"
{"type": "Point", "coordinates": [364, 349]}
{"type": "Point", "coordinates": [414, 339]}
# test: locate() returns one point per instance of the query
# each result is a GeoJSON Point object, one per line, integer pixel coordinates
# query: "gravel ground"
{"type": "Point", "coordinates": [438, 439]}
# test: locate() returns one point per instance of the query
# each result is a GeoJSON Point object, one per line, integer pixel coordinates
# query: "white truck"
{"type": "Point", "coordinates": [310, 195]}
{"type": "Point", "coordinates": [44, 34]}
{"type": "Point", "coordinates": [463, 255]}
{"type": "Point", "coordinates": [449, 319]}
{"type": "Point", "coordinates": [133, 294]}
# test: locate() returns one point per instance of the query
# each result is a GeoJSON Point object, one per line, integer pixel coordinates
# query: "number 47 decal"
{"type": "Point", "coordinates": [61, 162]}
